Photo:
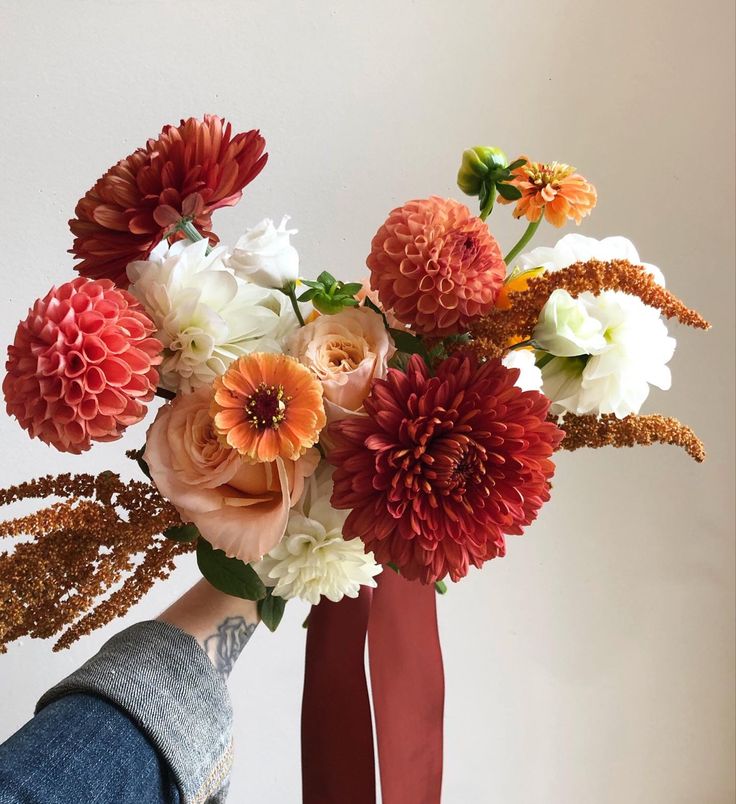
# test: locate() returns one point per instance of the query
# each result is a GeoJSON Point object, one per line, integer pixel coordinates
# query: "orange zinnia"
{"type": "Point", "coordinates": [553, 189]}
{"type": "Point", "coordinates": [268, 406]}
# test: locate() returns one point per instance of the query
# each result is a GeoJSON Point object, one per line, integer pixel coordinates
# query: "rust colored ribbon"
{"type": "Point", "coordinates": [400, 621]}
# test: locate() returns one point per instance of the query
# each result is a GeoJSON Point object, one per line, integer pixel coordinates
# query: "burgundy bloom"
{"type": "Point", "coordinates": [188, 171]}
{"type": "Point", "coordinates": [442, 467]}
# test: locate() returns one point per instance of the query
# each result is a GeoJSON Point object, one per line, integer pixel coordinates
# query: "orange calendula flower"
{"type": "Point", "coordinates": [554, 190]}
{"type": "Point", "coordinates": [268, 406]}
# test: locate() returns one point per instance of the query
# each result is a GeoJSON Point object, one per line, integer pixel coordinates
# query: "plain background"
{"type": "Point", "coordinates": [595, 662]}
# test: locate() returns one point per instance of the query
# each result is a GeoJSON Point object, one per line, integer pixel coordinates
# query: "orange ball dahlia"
{"type": "Point", "coordinates": [82, 365]}
{"type": "Point", "coordinates": [268, 406]}
{"type": "Point", "coordinates": [435, 266]}
{"type": "Point", "coordinates": [441, 467]}
{"type": "Point", "coordinates": [554, 190]}
{"type": "Point", "coordinates": [188, 171]}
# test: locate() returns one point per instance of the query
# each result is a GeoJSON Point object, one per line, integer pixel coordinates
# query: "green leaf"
{"type": "Point", "coordinates": [516, 164]}
{"type": "Point", "coordinates": [376, 309]}
{"type": "Point", "coordinates": [326, 278]}
{"type": "Point", "coordinates": [229, 575]}
{"type": "Point", "coordinates": [408, 343]}
{"type": "Point", "coordinates": [143, 465]}
{"type": "Point", "coordinates": [310, 284]}
{"type": "Point", "coordinates": [509, 191]}
{"type": "Point", "coordinates": [271, 610]}
{"type": "Point", "coordinates": [308, 295]}
{"type": "Point", "coordinates": [182, 533]}
{"type": "Point", "coordinates": [351, 288]}
{"type": "Point", "coordinates": [350, 302]}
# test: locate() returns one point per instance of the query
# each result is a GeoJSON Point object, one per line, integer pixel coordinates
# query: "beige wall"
{"type": "Point", "coordinates": [595, 663]}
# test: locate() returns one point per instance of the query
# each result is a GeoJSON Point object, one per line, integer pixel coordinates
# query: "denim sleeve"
{"type": "Point", "coordinates": [164, 682]}
{"type": "Point", "coordinates": [83, 749]}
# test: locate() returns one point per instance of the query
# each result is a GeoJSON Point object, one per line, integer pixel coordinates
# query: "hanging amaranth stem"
{"type": "Point", "coordinates": [609, 431]}
{"type": "Point", "coordinates": [104, 534]}
{"type": "Point", "coordinates": [494, 332]}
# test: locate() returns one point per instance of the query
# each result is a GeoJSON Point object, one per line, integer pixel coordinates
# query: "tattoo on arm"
{"type": "Point", "coordinates": [225, 646]}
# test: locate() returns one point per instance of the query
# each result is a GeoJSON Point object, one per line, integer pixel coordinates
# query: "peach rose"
{"type": "Point", "coordinates": [346, 351]}
{"type": "Point", "coordinates": [239, 507]}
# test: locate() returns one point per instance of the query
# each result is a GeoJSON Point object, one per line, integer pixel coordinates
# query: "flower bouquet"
{"type": "Point", "coordinates": [352, 444]}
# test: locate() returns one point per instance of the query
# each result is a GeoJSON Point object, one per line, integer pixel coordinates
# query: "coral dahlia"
{"type": "Point", "coordinates": [435, 266]}
{"type": "Point", "coordinates": [189, 170]}
{"type": "Point", "coordinates": [82, 365]}
{"type": "Point", "coordinates": [442, 467]}
{"type": "Point", "coordinates": [268, 406]}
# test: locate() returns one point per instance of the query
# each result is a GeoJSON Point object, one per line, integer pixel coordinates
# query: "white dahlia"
{"type": "Point", "coordinates": [578, 248]}
{"type": "Point", "coordinates": [313, 559]}
{"type": "Point", "coordinates": [205, 315]}
{"type": "Point", "coordinates": [530, 377]}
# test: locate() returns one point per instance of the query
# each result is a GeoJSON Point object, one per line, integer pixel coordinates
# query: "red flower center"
{"type": "Point", "coordinates": [266, 406]}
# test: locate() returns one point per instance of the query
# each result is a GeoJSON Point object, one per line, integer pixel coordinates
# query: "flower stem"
{"type": "Point", "coordinates": [290, 291]}
{"type": "Point", "coordinates": [440, 587]}
{"type": "Point", "coordinates": [487, 208]}
{"type": "Point", "coordinates": [189, 229]}
{"type": "Point", "coordinates": [187, 226]}
{"type": "Point", "coordinates": [525, 238]}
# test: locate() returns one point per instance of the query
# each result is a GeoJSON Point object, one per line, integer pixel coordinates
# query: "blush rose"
{"type": "Point", "coordinates": [238, 506]}
{"type": "Point", "coordinates": [346, 351]}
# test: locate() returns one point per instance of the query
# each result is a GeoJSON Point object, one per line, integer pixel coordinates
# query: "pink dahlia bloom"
{"type": "Point", "coordinates": [82, 365]}
{"type": "Point", "coordinates": [441, 468]}
{"type": "Point", "coordinates": [436, 266]}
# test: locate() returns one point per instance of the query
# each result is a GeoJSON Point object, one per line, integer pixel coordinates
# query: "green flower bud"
{"type": "Point", "coordinates": [479, 165]}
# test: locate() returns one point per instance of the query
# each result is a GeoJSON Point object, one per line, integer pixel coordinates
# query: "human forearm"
{"type": "Point", "coordinates": [220, 623]}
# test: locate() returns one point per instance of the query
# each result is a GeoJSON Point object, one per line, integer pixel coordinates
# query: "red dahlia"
{"type": "Point", "coordinates": [442, 467]}
{"type": "Point", "coordinates": [188, 171]}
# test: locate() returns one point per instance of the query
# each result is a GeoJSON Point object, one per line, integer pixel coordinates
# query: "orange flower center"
{"type": "Point", "coordinates": [266, 406]}
{"type": "Point", "coordinates": [544, 173]}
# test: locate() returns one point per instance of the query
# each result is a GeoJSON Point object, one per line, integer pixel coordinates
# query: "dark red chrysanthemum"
{"type": "Point", "coordinates": [442, 467]}
{"type": "Point", "coordinates": [188, 171]}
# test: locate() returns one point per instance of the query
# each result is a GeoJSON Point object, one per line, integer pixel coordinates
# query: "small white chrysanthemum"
{"type": "Point", "coordinates": [205, 315]}
{"type": "Point", "coordinates": [313, 559]}
{"type": "Point", "coordinates": [615, 377]}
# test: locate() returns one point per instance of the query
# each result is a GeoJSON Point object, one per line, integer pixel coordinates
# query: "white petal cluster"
{"type": "Point", "coordinates": [578, 248]}
{"type": "Point", "coordinates": [607, 349]}
{"type": "Point", "coordinates": [313, 559]}
{"type": "Point", "coordinates": [205, 315]}
{"type": "Point", "coordinates": [530, 376]}
{"type": "Point", "coordinates": [264, 255]}
{"type": "Point", "coordinates": [614, 377]}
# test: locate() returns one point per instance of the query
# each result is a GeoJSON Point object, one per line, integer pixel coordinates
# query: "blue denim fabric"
{"type": "Point", "coordinates": [148, 708]}
{"type": "Point", "coordinates": [82, 750]}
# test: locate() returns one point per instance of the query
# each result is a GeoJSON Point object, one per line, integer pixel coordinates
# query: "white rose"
{"type": "Point", "coordinates": [265, 256]}
{"type": "Point", "coordinates": [567, 328]}
{"type": "Point", "coordinates": [616, 379]}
